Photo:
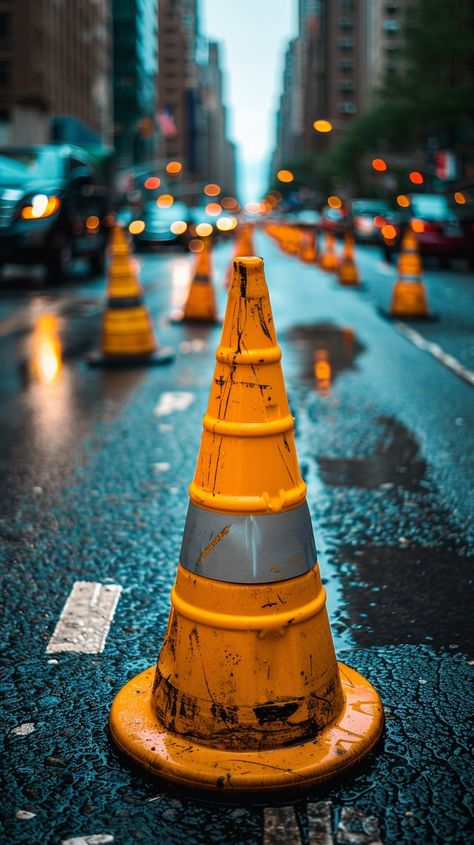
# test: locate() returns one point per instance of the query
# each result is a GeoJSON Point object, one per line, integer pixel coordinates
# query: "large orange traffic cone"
{"type": "Point", "coordinates": [347, 271]}
{"type": "Point", "coordinates": [127, 337]}
{"type": "Point", "coordinates": [200, 305]}
{"type": "Point", "coordinates": [409, 300]}
{"type": "Point", "coordinates": [247, 693]}
{"type": "Point", "coordinates": [327, 256]}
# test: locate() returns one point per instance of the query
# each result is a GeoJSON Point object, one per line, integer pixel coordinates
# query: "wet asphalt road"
{"type": "Point", "coordinates": [94, 488]}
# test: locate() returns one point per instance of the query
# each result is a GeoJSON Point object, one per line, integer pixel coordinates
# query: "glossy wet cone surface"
{"type": "Point", "coordinates": [409, 299]}
{"type": "Point", "coordinates": [347, 271]}
{"type": "Point", "coordinates": [200, 304]}
{"type": "Point", "coordinates": [247, 694]}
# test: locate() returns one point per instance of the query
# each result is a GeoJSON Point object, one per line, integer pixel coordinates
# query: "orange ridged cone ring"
{"type": "Point", "coordinates": [409, 300]}
{"type": "Point", "coordinates": [247, 694]}
{"type": "Point", "coordinates": [127, 336]}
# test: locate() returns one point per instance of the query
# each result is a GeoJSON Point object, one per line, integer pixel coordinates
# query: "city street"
{"type": "Point", "coordinates": [95, 468]}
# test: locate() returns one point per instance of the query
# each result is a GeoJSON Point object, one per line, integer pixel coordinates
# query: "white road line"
{"type": "Point", "coordinates": [320, 823]}
{"type": "Point", "coordinates": [170, 401]}
{"type": "Point", "coordinates": [354, 827]}
{"type": "Point", "coordinates": [86, 618]}
{"type": "Point", "coordinates": [437, 352]}
{"type": "Point", "coordinates": [23, 730]}
{"type": "Point", "coordinates": [94, 839]}
{"type": "Point", "coordinates": [280, 826]}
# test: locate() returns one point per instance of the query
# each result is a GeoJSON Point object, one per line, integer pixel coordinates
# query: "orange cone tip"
{"type": "Point", "coordinates": [247, 694]}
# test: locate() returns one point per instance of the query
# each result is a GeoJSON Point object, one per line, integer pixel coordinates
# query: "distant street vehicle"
{"type": "Point", "coordinates": [367, 217]}
{"type": "Point", "coordinates": [333, 220]}
{"type": "Point", "coordinates": [306, 217]}
{"type": "Point", "coordinates": [442, 231]}
{"type": "Point", "coordinates": [52, 208]}
{"type": "Point", "coordinates": [162, 227]}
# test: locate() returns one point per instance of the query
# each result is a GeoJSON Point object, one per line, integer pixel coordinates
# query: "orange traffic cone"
{"type": "Point", "coordinates": [308, 251]}
{"type": "Point", "coordinates": [409, 300]}
{"type": "Point", "coordinates": [200, 305]}
{"type": "Point", "coordinates": [127, 337]}
{"type": "Point", "coordinates": [247, 693]}
{"type": "Point", "coordinates": [347, 269]}
{"type": "Point", "coordinates": [243, 245]}
{"type": "Point", "coordinates": [327, 256]}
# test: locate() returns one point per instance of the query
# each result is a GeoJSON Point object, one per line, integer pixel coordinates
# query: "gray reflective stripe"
{"type": "Point", "coordinates": [200, 278]}
{"type": "Point", "coordinates": [252, 549]}
{"type": "Point", "coordinates": [124, 302]}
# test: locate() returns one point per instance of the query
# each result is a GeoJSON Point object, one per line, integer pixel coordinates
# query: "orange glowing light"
{"type": "Point", "coordinates": [229, 203]}
{"type": "Point", "coordinates": [212, 190]}
{"type": "Point", "coordinates": [322, 371]}
{"type": "Point", "coordinates": [213, 209]}
{"type": "Point", "coordinates": [403, 201]}
{"type": "Point", "coordinates": [389, 232]}
{"type": "Point", "coordinates": [379, 165]}
{"type": "Point", "coordinates": [41, 206]}
{"type": "Point", "coordinates": [252, 207]}
{"type": "Point", "coordinates": [165, 201]}
{"type": "Point", "coordinates": [204, 230]}
{"type": "Point", "coordinates": [195, 245]}
{"type": "Point", "coordinates": [417, 225]}
{"type": "Point", "coordinates": [92, 223]}
{"type": "Point", "coordinates": [460, 198]}
{"type": "Point", "coordinates": [334, 202]}
{"type": "Point", "coordinates": [174, 167]}
{"type": "Point", "coordinates": [226, 224]}
{"type": "Point", "coordinates": [285, 176]}
{"type": "Point", "coordinates": [379, 221]}
{"type": "Point", "coordinates": [136, 227]}
{"type": "Point", "coordinates": [322, 126]}
{"type": "Point", "coordinates": [178, 227]}
{"type": "Point", "coordinates": [46, 358]}
{"type": "Point", "coordinates": [416, 177]}
{"type": "Point", "coordinates": [152, 183]}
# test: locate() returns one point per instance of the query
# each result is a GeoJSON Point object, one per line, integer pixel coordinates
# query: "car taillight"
{"type": "Point", "coordinates": [431, 228]}
{"type": "Point", "coordinates": [379, 221]}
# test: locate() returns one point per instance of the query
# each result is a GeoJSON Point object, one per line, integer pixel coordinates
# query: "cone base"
{"type": "Point", "coordinates": [429, 317]}
{"type": "Point", "coordinates": [177, 317]}
{"type": "Point", "coordinates": [138, 733]}
{"type": "Point", "coordinates": [153, 359]}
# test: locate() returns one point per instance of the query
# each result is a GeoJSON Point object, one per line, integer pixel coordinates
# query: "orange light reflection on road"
{"type": "Point", "coordinates": [322, 371]}
{"type": "Point", "coordinates": [46, 359]}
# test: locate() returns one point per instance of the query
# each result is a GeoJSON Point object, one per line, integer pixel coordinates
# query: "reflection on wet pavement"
{"type": "Point", "coordinates": [326, 351]}
{"type": "Point", "coordinates": [396, 460]}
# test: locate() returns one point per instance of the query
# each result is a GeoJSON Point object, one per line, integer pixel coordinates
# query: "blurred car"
{"type": "Point", "coordinates": [333, 220]}
{"type": "Point", "coordinates": [442, 230]}
{"type": "Point", "coordinates": [162, 227]}
{"type": "Point", "coordinates": [52, 208]}
{"type": "Point", "coordinates": [367, 216]}
{"type": "Point", "coordinates": [307, 218]}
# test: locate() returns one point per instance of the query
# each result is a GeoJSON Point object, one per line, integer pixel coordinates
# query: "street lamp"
{"type": "Point", "coordinates": [323, 126]}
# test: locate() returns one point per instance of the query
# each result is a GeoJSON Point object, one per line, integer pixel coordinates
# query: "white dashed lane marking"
{"type": "Point", "coordinates": [170, 401]}
{"type": "Point", "coordinates": [437, 352]}
{"type": "Point", "coordinates": [86, 618]}
{"type": "Point", "coordinates": [94, 839]}
{"type": "Point", "coordinates": [353, 827]}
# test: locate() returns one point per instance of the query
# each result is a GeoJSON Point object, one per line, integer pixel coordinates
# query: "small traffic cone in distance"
{"type": "Point", "coordinates": [200, 305]}
{"type": "Point", "coordinates": [243, 245]}
{"type": "Point", "coordinates": [347, 271]}
{"type": "Point", "coordinates": [308, 251]}
{"type": "Point", "coordinates": [409, 300]}
{"type": "Point", "coordinates": [327, 256]}
{"type": "Point", "coordinates": [247, 694]}
{"type": "Point", "coordinates": [127, 336]}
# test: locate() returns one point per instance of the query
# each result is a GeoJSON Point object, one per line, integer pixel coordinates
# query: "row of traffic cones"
{"type": "Point", "coordinates": [409, 299]}
{"type": "Point", "coordinates": [247, 695]}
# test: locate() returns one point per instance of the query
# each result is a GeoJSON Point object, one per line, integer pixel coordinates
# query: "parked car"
{"type": "Point", "coordinates": [367, 216]}
{"type": "Point", "coordinates": [52, 208]}
{"type": "Point", "coordinates": [163, 226]}
{"type": "Point", "coordinates": [442, 230]}
{"type": "Point", "coordinates": [334, 220]}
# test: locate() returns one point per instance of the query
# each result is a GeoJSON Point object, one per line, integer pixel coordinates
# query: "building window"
{"type": "Point", "coordinates": [4, 74]}
{"type": "Point", "coordinates": [346, 108]}
{"type": "Point", "coordinates": [345, 43]}
{"type": "Point", "coordinates": [391, 27]}
{"type": "Point", "coordinates": [346, 87]}
{"type": "Point", "coordinates": [391, 10]}
{"type": "Point", "coordinates": [346, 23]}
{"type": "Point", "coordinates": [346, 65]}
{"type": "Point", "coordinates": [346, 5]}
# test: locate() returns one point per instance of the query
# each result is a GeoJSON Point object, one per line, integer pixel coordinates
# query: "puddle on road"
{"type": "Point", "coordinates": [326, 351]}
{"type": "Point", "coordinates": [396, 461]}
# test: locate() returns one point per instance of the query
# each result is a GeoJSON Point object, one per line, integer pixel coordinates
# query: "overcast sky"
{"type": "Point", "coordinates": [254, 35]}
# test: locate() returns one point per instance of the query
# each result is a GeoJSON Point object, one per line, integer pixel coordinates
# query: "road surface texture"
{"type": "Point", "coordinates": [95, 466]}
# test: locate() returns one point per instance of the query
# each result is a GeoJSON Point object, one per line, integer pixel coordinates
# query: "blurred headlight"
{"type": "Point", "coordinates": [41, 206]}
{"type": "Point", "coordinates": [178, 227]}
{"type": "Point", "coordinates": [204, 230]}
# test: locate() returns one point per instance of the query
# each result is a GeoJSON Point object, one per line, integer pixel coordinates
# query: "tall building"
{"type": "Point", "coordinates": [54, 71]}
{"type": "Point", "coordinates": [135, 68]}
{"type": "Point", "coordinates": [217, 161]}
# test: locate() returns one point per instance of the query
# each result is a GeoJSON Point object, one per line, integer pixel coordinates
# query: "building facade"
{"type": "Point", "coordinates": [54, 71]}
